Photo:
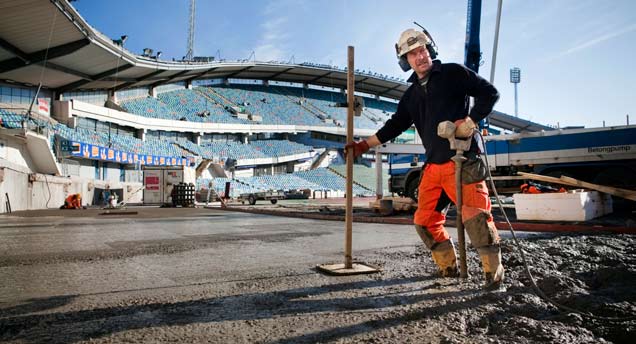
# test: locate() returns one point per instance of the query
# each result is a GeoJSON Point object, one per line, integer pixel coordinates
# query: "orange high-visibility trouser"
{"type": "Point", "coordinates": [438, 177]}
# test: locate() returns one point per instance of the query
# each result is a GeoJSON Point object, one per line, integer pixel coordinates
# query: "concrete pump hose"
{"type": "Point", "coordinates": [538, 290]}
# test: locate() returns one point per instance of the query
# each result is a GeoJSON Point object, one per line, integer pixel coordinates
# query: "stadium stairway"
{"type": "Point", "coordinates": [316, 111]}
{"type": "Point", "coordinates": [343, 175]}
{"type": "Point", "coordinates": [305, 105]}
{"type": "Point", "coordinates": [320, 159]}
{"type": "Point", "coordinates": [185, 148]}
{"type": "Point", "coordinates": [224, 101]}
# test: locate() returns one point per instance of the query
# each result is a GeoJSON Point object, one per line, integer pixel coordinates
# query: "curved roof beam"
{"type": "Point", "coordinates": [138, 80]}
{"type": "Point", "coordinates": [23, 59]}
{"type": "Point", "coordinates": [170, 78]}
{"type": "Point", "coordinates": [77, 84]}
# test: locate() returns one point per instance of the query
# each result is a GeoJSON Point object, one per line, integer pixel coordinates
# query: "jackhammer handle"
{"type": "Point", "coordinates": [446, 129]}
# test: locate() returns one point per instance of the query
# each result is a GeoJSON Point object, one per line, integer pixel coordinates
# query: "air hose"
{"type": "Point", "coordinates": [538, 290]}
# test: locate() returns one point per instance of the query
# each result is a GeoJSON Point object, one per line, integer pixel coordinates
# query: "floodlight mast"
{"type": "Point", "coordinates": [190, 53]}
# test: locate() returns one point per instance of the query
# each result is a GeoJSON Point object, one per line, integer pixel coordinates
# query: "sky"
{"type": "Point", "coordinates": [576, 56]}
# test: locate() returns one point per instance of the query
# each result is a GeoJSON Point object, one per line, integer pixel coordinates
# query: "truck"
{"type": "Point", "coordinates": [605, 156]}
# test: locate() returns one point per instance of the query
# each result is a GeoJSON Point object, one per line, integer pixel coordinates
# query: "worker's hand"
{"type": "Point", "coordinates": [359, 148]}
{"type": "Point", "coordinates": [465, 127]}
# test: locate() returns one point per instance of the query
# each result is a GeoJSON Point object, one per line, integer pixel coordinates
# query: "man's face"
{"type": "Point", "coordinates": [420, 61]}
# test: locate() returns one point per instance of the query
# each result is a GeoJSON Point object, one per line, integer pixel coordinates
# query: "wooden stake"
{"type": "Point", "coordinates": [378, 175]}
{"type": "Point", "coordinates": [349, 267]}
{"type": "Point", "coordinates": [349, 186]}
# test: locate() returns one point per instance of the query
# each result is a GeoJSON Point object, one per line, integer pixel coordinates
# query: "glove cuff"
{"type": "Point", "coordinates": [364, 146]}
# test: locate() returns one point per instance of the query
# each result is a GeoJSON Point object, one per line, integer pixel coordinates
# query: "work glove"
{"type": "Point", "coordinates": [464, 127]}
{"type": "Point", "coordinates": [359, 148]}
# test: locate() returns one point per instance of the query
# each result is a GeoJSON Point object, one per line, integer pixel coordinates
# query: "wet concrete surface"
{"type": "Point", "coordinates": [204, 275]}
{"type": "Point", "coordinates": [620, 221]}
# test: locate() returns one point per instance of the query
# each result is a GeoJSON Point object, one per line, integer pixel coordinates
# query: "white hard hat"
{"type": "Point", "coordinates": [409, 40]}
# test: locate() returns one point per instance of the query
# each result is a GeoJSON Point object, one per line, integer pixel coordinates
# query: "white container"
{"type": "Point", "coordinates": [159, 181]}
{"type": "Point", "coordinates": [574, 205]}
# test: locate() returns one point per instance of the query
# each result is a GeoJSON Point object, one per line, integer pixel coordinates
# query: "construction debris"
{"type": "Point", "coordinates": [398, 204]}
{"type": "Point", "coordinates": [564, 180]}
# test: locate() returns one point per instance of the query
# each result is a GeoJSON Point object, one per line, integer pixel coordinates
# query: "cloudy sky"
{"type": "Point", "coordinates": [576, 56]}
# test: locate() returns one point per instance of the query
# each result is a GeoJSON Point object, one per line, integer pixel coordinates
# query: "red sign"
{"type": "Point", "coordinates": [152, 183]}
{"type": "Point", "coordinates": [43, 106]}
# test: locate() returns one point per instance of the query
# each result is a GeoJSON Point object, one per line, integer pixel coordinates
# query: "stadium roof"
{"type": "Point", "coordinates": [505, 121]}
{"type": "Point", "coordinates": [48, 41]}
{"type": "Point", "coordinates": [51, 34]}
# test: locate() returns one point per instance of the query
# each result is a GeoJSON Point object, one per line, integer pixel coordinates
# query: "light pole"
{"type": "Point", "coordinates": [515, 78]}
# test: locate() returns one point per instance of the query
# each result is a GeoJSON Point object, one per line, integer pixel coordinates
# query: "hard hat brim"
{"type": "Point", "coordinates": [405, 48]}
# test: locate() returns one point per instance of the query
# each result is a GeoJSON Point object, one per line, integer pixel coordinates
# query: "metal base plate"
{"type": "Point", "coordinates": [340, 270]}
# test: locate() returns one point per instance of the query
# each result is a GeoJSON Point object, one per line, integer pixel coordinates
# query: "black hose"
{"type": "Point", "coordinates": [538, 290]}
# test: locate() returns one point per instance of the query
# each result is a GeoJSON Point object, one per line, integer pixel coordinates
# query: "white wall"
{"type": "Point", "coordinates": [112, 171]}
{"type": "Point", "coordinates": [242, 173]}
{"type": "Point", "coordinates": [14, 183]}
{"type": "Point", "coordinates": [28, 191]}
{"type": "Point", "coordinates": [87, 169]}
{"type": "Point", "coordinates": [15, 151]}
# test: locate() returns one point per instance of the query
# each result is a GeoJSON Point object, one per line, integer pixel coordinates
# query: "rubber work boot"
{"type": "Point", "coordinates": [445, 258]}
{"type": "Point", "coordinates": [493, 269]}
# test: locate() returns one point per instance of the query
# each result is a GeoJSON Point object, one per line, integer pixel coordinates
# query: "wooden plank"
{"type": "Point", "coordinates": [507, 178]}
{"type": "Point", "coordinates": [542, 178]}
{"type": "Point", "coordinates": [623, 193]}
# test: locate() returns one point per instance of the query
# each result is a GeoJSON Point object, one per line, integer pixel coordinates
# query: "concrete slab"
{"type": "Point", "coordinates": [204, 275]}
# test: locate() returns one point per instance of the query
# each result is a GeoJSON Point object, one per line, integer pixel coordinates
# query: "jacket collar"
{"type": "Point", "coordinates": [437, 66]}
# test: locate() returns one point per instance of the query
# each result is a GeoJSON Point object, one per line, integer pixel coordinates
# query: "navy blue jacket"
{"type": "Point", "coordinates": [445, 97]}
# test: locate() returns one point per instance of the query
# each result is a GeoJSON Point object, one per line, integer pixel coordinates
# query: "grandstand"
{"type": "Point", "coordinates": [364, 176]}
{"type": "Point", "coordinates": [11, 120]}
{"type": "Point", "coordinates": [273, 105]}
{"type": "Point", "coordinates": [314, 180]}
{"type": "Point", "coordinates": [104, 114]}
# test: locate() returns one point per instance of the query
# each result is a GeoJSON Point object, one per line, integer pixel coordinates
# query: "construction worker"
{"type": "Point", "coordinates": [73, 201]}
{"type": "Point", "coordinates": [440, 92]}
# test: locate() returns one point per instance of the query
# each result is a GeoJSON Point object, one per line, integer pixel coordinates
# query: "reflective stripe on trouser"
{"type": "Point", "coordinates": [441, 177]}
{"type": "Point", "coordinates": [443, 253]}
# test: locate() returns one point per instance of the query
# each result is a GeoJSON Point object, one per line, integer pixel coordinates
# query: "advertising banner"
{"type": "Point", "coordinates": [89, 151]}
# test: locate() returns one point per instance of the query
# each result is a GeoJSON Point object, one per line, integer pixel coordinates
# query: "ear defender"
{"type": "Point", "coordinates": [432, 50]}
{"type": "Point", "coordinates": [404, 64]}
{"type": "Point", "coordinates": [430, 46]}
